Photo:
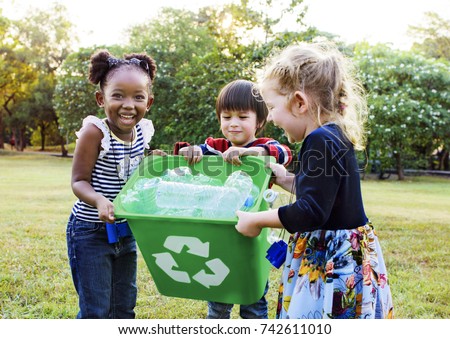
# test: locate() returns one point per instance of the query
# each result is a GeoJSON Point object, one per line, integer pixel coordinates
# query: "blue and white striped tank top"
{"type": "Point", "coordinates": [115, 164]}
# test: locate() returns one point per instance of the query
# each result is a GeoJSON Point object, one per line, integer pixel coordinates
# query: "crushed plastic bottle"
{"type": "Point", "coordinates": [130, 201]}
{"type": "Point", "coordinates": [210, 200]}
{"type": "Point", "coordinates": [243, 183]}
{"type": "Point", "coordinates": [179, 193]}
{"type": "Point", "coordinates": [251, 199]}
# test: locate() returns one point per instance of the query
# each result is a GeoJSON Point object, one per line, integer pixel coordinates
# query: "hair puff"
{"type": "Point", "coordinates": [99, 66]}
{"type": "Point", "coordinates": [144, 57]}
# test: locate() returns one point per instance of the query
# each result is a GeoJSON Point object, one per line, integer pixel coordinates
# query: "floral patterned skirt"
{"type": "Point", "coordinates": [334, 274]}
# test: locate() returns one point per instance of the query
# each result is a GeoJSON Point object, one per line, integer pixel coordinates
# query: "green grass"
{"type": "Point", "coordinates": [412, 219]}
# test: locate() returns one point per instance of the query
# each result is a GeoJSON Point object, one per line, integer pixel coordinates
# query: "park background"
{"type": "Point", "coordinates": [44, 95]}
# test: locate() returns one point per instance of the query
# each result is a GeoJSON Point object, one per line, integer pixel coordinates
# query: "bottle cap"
{"type": "Point", "coordinates": [249, 201]}
{"type": "Point", "coordinates": [270, 195]}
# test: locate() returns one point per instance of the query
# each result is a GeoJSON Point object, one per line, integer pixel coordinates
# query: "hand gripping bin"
{"type": "Point", "coordinates": [196, 258]}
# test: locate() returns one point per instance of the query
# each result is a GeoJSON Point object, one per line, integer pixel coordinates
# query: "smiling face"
{"type": "Point", "coordinates": [290, 115]}
{"type": "Point", "coordinates": [125, 98]}
{"type": "Point", "coordinates": [238, 126]}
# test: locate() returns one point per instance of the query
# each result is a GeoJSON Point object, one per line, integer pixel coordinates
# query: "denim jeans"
{"type": "Point", "coordinates": [104, 274]}
{"type": "Point", "coordinates": [257, 310]}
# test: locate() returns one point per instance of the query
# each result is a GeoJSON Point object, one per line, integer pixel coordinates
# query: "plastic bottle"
{"type": "Point", "coordinates": [147, 194]}
{"type": "Point", "coordinates": [178, 174]}
{"type": "Point", "coordinates": [179, 193]}
{"type": "Point", "coordinates": [211, 200]}
{"type": "Point", "coordinates": [130, 201]}
{"type": "Point", "coordinates": [251, 199]}
{"type": "Point", "coordinates": [201, 179]}
{"type": "Point", "coordinates": [243, 183]}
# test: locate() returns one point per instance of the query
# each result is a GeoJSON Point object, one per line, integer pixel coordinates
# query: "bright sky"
{"type": "Point", "coordinates": [387, 21]}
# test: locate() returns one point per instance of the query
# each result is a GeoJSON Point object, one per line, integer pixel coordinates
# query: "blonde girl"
{"type": "Point", "coordinates": [334, 266]}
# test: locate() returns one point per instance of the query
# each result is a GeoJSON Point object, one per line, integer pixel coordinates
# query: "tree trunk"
{"type": "Point", "coordinates": [42, 137]}
{"type": "Point", "coordinates": [15, 135]}
{"type": "Point", "coordinates": [446, 161]}
{"type": "Point", "coordinates": [2, 129]}
{"type": "Point", "coordinates": [431, 163]}
{"type": "Point", "coordinates": [22, 141]}
{"type": "Point", "coordinates": [443, 160]}
{"type": "Point", "coordinates": [399, 166]}
{"type": "Point", "coordinates": [64, 151]}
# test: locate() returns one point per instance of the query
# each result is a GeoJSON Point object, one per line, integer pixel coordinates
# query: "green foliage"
{"type": "Point", "coordinates": [199, 85]}
{"type": "Point", "coordinates": [32, 49]}
{"type": "Point", "coordinates": [433, 38]}
{"type": "Point", "coordinates": [409, 105]}
{"type": "Point", "coordinates": [197, 54]}
{"type": "Point", "coordinates": [178, 37]}
{"type": "Point", "coordinates": [47, 36]}
{"type": "Point", "coordinates": [74, 96]}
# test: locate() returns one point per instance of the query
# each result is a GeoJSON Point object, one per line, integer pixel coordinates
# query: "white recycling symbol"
{"type": "Point", "coordinates": [166, 262]}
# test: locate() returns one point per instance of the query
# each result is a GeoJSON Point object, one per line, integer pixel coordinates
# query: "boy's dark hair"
{"type": "Point", "coordinates": [104, 64]}
{"type": "Point", "coordinates": [242, 95]}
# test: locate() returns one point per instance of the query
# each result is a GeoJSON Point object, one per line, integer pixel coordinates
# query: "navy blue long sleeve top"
{"type": "Point", "coordinates": [327, 183]}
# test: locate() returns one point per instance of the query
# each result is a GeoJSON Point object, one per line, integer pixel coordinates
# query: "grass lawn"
{"type": "Point", "coordinates": [412, 219]}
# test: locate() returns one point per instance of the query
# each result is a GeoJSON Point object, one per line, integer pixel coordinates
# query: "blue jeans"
{"type": "Point", "coordinates": [257, 310]}
{"type": "Point", "coordinates": [104, 274]}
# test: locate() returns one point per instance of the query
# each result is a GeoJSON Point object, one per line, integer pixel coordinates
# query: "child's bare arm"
{"type": "Point", "coordinates": [83, 163]}
{"type": "Point", "coordinates": [251, 224]}
{"type": "Point", "coordinates": [283, 178]}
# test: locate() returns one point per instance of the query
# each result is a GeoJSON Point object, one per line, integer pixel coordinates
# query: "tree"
{"type": "Point", "coordinates": [409, 104]}
{"type": "Point", "coordinates": [38, 108]}
{"type": "Point", "coordinates": [433, 37]}
{"type": "Point", "coordinates": [44, 38]}
{"type": "Point", "coordinates": [196, 55]}
{"type": "Point", "coordinates": [47, 35]}
{"type": "Point", "coordinates": [74, 94]}
{"type": "Point", "coordinates": [16, 75]}
{"type": "Point", "coordinates": [433, 40]}
{"type": "Point", "coordinates": [199, 85]}
{"type": "Point", "coordinates": [173, 41]}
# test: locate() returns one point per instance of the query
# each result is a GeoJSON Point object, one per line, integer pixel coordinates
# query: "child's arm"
{"type": "Point", "coordinates": [84, 160]}
{"type": "Point", "coordinates": [282, 153]}
{"type": "Point", "coordinates": [251, 224]}
{"type": "Point", "coordinates": [158, 152]}
{"type": "Point", "coordinates": [283, 178]}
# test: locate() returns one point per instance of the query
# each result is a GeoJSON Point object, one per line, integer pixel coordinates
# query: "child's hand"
{"type": "Point", "coordinates": [105, 210]}
{"type": "Point", "coordinates": [233, 154]}
{"type": "Point", "coordinates": [246, 225]}
{"type": "Point", "coordinates": [158, 152]}
{"type": "Point", "coordinates": [192, 154]}
{"type": "Point", "coordinates": [281, 176]}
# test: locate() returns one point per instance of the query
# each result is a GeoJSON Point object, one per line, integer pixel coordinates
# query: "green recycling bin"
{"type": "Point", "coordinates": [198, 258]}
